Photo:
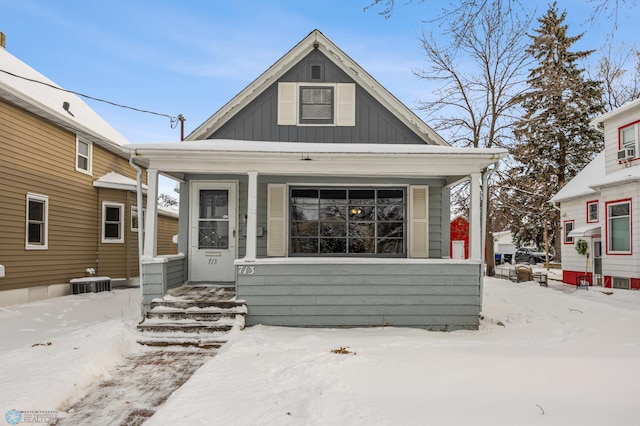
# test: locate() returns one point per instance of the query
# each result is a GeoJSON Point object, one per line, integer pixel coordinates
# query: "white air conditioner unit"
{"type": "Point", "coordinates": [626, 154]}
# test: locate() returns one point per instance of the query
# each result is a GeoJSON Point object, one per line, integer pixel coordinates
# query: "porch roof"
{"type": "Point", "coordinates": [295, 158]}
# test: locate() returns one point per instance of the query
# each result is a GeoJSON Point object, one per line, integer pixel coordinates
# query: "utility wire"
{"type": "Point", "coordinates": [173, 120]}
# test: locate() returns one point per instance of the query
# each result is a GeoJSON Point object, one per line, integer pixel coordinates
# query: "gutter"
{"type": "Point", "coordinates": [140, 222]}
{"type": "Point", "coordinates": [483, 224]}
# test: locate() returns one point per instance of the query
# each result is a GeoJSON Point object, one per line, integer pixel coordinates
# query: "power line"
{"type": "Point", "coordinates": [173, 120]}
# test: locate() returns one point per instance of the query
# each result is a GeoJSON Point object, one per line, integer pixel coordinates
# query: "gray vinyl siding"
{"type": "Point", "coordinates": [157, 278]}
{"type": "Point", "coordinates": [258, 120]}
{"type": "Point", "coordinates": [438, 210]}
{"type": "Point", "coordinates": [437, 296]}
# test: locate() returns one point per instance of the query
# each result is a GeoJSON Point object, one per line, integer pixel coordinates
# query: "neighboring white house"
{"type": "Point", "coordinates": [600, 206]}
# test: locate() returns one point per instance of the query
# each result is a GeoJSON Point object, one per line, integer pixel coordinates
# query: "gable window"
{"type": "Point", "coordinates": [37, 222]}
{"type": "Point", "coordinates": [112, 220]}
{"type": "Point", "coordinates": [619, 227]}
{"type": "Point", "coordinates": [316, 105]}
{"type": "Point", "coordinates": [83, 156]}
{"type": "Point", "coordinates": [568, 227]}
{"type": "Point", "coordinates": [347, 221]}
{"type": "Point", "coordinates": [592, 211]}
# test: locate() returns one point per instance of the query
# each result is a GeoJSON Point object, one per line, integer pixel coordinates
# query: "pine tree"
{"type": "Point", "coordinates": [553, 138]}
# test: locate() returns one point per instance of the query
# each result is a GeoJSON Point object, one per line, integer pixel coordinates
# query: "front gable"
{"type": "Point", "coordinates": [356, 116]}
{"type": "Point", "coordinates": [316, 77]}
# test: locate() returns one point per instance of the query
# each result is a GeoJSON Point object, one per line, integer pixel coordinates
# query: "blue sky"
{"type": "Point", "coordinates": [191, 57]}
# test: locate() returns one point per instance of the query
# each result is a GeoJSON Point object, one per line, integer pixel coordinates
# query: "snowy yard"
{"type": "Point", "coordinates": [542, 356]}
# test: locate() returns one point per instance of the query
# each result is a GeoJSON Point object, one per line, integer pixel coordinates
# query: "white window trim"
{"type": "Point", "coordinates": [89, 170]}
{"type": "Point", "coordinates": [610, 251]}
{"type": "Point", "coordinates": [636, 134]}
{"type": "Point", "coordinates": [106, 204]}
{"type": "Point", "coordinates": [134, 213]}
{"type": "Point", "coordinates": [45, 245]}
{"type": "Point", "coordinates": [344, 104]}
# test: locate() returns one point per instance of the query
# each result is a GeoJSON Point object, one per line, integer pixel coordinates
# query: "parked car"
{"type": "Point", "coordinates": [530, 256]}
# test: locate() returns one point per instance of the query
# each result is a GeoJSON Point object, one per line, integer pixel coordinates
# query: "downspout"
{"type": "Point", "coordinates": [140, 222]}
{"type": "Point", "coordinates": [483, 225]}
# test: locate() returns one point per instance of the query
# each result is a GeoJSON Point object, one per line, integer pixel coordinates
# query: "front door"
{"type": "Point", "coordinates": [212, 236]}
{"type": "Point", "coordinates": [597, 261]}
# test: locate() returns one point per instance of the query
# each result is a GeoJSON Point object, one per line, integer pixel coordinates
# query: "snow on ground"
{"type": "Point", "coordinates": [53, 350]}
{"type": "Point", "coordinates": [542, 356]}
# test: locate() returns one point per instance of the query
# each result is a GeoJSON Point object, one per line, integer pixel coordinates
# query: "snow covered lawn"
{"type": "Point", "coordinates": [53, 350]}
{"type": "Point", "coordinates": [543, 356]}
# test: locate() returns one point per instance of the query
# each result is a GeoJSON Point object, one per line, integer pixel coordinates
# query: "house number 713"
{"type": "Point", "coordinates": [246, 270]}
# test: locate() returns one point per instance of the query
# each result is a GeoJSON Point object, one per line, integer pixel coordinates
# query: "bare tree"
{"type": "Point", "coordinates": [478, 70]}
{"type": "Point", "coordinates": [619, 71]}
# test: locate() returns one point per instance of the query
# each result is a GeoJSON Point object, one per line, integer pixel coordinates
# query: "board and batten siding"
{"type": "Point", "coordinates": [436, 295]}
{"type": "Point", "coordinates": [258, 121]}
{"type": "Point", "coordinates": [39, 157]}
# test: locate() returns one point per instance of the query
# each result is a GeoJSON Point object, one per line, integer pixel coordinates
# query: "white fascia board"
{"type": "Point", "coordinates": [606, 116]}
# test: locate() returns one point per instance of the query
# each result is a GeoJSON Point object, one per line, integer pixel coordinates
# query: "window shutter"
{"type": "Point", "coordinates": [276, 219]}
{"type": "Point", "coordinates": [287, 104]}
{"type": "Point", "coordinates": [345, 104]}
{"type": "Point", "coordinates": [419, 221]}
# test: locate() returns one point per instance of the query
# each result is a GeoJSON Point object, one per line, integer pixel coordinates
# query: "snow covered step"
{"type": "Point", "coordinates": [184, 304]}
{"type": "Point", "coordinates": [198, 315]}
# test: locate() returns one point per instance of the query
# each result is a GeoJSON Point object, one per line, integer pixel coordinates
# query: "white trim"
{"type": "Point", "coordinates": [89, 156]}
{"type": "Point", "coordinates": [45, 243]}
{"type": "Point", "coordinates": [120, 238]}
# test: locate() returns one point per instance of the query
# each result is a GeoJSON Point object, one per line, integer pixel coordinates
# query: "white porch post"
{"type": "Point", "coordinates": [475, 227]}
{"type": "Point", "coordinates": [151, 216]}
{"type": "Point", "coordinates": [252, 218]}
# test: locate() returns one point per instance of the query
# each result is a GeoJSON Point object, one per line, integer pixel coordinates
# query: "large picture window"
{"type": "Point", "coordinates": [347, 221]}
{"type": "Point", "coordinates": [37, 222]}
{"type": "Point", "coordinates": [619, 227]}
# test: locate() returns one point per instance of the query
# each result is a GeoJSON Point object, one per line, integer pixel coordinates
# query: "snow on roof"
{"type": "Point", "coordinates": [593, 177]}
{"type": "Point", "coordinates": [232, 145]}
{"type": "Point", "coordinates": [115, 180]}
{"type": "Point", "coordinates": [601, 119]}
{"type": "Point", "coordinates": [583, 182]}
{"type": "Point", "coordinates": [170, 211]}
{"type": "Point", "coordinates": [48, 102]}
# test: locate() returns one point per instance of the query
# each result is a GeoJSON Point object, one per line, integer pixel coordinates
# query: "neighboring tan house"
{"type": "Point", "coordinates": [600, 206]}
{"type": "Point", "coordinates": [324, 200]}
{"type": "Point", "coordinates": [459, 230]}
{"type": "Point", "coordinates": [69, 192]}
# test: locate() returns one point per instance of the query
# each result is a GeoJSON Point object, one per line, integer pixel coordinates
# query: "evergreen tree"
{"type": "Point", "coordinates": [553, 138]}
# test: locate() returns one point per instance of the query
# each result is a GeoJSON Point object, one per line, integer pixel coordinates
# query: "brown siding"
{"type": "Point", "coordinates": [167, 228]}
{"type": "Point", "coordinates": [39, 157]}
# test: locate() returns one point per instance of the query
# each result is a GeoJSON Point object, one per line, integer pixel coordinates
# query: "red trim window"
{"type": "Point", "coordinates": [628, 136]}
{"type": "Point", "coordinates": [592, 211]}
{"type": "Point", "coordinates": [618, 226]}
{"type": "Point", "coordinates": [568, 227]}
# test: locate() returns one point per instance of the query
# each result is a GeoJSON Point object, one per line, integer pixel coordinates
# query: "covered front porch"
{"type": "Point", "coordinates": [418, 285]}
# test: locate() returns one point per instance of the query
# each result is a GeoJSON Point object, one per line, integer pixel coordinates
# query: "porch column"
{"type": "Point", "coordinates": [475, 227]}
{"type": "Point", "coordinates": [151, 216]}
{"type": "Point", "coordinates": [252, 217]}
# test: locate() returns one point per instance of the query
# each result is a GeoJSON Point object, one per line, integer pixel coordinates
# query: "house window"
{"type": "Point", "coordinates": [347, 221]}
{"type": "Point", "coordinates": [316, 105]}
{"type": "Point", "coordinates": [134, 218]}
{"type": "Point", "coordinates": [568, 227]}
{"type": "Point", "coordinates": [592, 212]}
{"type": "Point", "coordinates": [112, 220]}
{"type": "Point", "coordinates": [83, 156]}
{"type": "Point", "coordinates": [619, 227]}
{"type": "Point", "coordinates": [37, 226]}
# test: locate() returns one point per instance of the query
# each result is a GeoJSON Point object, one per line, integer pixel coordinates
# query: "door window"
{"type": "Point", "coordinates": [213, 221]}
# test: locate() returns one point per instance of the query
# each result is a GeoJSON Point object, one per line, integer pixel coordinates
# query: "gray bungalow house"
{"type": "Point", "coordinates": [323, 199]}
